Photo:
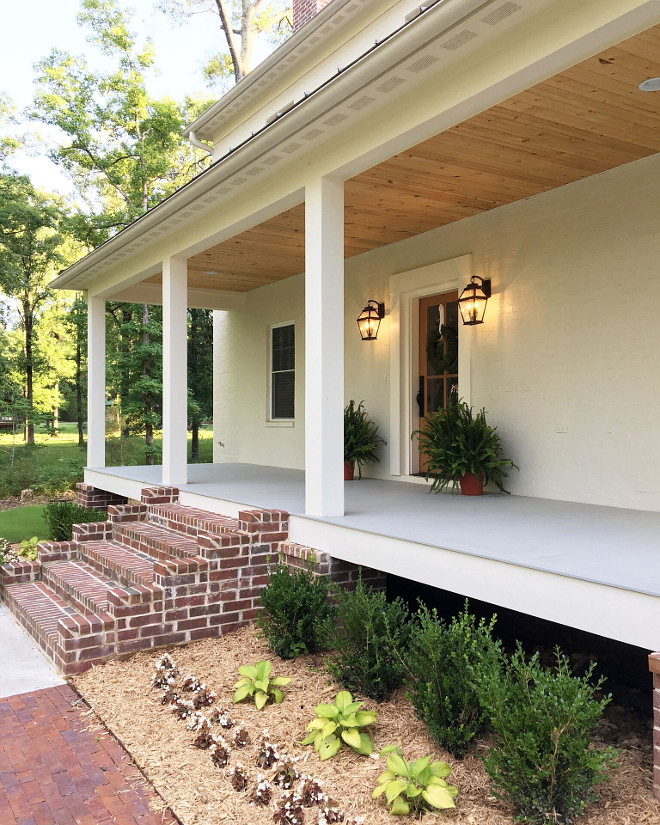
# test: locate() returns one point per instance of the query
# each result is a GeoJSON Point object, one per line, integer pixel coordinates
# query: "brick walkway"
{"type": "Point", "coordinates": [55, 772]}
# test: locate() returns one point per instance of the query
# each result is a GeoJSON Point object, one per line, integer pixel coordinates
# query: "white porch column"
{"type": "Point", "coordinates": [95, 382]}
{"type": "Point", "coordinates": [324, 348]}
{"type": "Point", "coordinates": [175, 372]}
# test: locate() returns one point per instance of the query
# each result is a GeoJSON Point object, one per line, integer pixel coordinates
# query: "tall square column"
{"type": "Point", "coordinates": [95, 382]}
{"type": "Point", "coordinates": [324, 348]}
{"type": "Point", "coordinates": [175, 371]}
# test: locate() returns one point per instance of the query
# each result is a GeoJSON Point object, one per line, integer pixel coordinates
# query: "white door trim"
{"type": "Point", "coordinates": [406, 288]}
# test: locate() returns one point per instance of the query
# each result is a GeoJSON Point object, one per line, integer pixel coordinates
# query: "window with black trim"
{"type": "Point", "coordinates": [283, 371]}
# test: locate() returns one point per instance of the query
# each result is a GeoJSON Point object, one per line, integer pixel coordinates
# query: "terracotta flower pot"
{"type": "Point", "coordinates": [349, 469]}
{"type": "Point", "coordinates": [472, 485]}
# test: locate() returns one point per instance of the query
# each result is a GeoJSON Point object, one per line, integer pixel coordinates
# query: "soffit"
{"type": "Point", "coordinates": [585, 120]}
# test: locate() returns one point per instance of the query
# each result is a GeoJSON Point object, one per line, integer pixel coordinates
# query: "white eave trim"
{"type": "Point", "coordinates": [304, 112]}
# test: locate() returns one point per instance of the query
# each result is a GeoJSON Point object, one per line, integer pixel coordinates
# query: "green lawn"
{"type": "Point", "coordinates": [23, 523]}
{"type": "Point", "coordinates": [56, 462]}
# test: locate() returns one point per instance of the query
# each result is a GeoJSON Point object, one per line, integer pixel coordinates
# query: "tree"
{"type": "Point", "coordinates": [7, 143]}
{"type": "Point", "coordinates": [200, 372]}
{"type": "Point", "coordinates": [241, 23]}
{"type": "Point", "coordinates": [123, 149]}
{"type": "Point", "coordinates": [30, 254]}
{"type": "Point", "coordinates": [77, 322]}
{"type": "Point", "coordinates": [125, 153]}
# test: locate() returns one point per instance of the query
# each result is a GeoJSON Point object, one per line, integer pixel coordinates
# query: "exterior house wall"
{"type": "Point", "coordinates": [241, 430]}
{"type": "Point", "coordinates": [565, 363]}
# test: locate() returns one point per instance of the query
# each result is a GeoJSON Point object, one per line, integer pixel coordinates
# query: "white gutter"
{"type": "Point", "coordinates": [198, 143]}
{"type": "Point", "coordinates": [434, 22]}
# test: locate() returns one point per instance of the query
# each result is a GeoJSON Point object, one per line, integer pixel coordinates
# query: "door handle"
{"type": "Point", "coordinates": [420, 396]}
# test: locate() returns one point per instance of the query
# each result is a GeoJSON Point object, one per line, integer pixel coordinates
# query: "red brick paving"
{"type": "Point", "coordinates": [53, 771]}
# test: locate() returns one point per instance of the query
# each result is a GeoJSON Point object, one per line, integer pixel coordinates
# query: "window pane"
{"type": "Point", "coordinates": [284, 352]}
{"type": "Point", "coordinates": [283, 394]}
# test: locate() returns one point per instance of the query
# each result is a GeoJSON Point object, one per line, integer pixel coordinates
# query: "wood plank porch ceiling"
{"type": "Point", "coordinates": [585, 120]}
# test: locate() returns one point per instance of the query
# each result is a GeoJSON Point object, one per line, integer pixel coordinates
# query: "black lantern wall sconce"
{"type": "Point", "coordinates": [369, 320]}
{"type": "Point", "coordinates": [473, 300]}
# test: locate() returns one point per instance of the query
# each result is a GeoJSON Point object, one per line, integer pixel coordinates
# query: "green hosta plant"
{"type": "Point", "coordinates": [414, 786]}
{"type": "Point", "coordinates": [28, 548]}
{"type": "Point", "coordinates": [256, 683]}
{"type": "Point", "coordinates": [340, 721]}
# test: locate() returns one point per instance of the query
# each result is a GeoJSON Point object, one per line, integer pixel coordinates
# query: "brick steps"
{"type": "Point", "coordinates": [156, 541]}
{"type": "Point", "coordinates": [114, 561]}
{"type": "Point", "coordinates": [79, 584]}
{"type": "Point", "coordinates": [154, 574]}
{"type": "Point", "coordinates": [191, 520]}
{"type": "Point", "coordinates": [39, 610]}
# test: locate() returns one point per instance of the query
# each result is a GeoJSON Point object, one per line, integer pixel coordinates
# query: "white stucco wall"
{"type": "Point", "coordinates": [566, 363]}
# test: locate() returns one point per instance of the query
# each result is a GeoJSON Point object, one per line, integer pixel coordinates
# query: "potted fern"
{"type": "Point", "coordinates": [462, 450]}
{"type": "Point", "coordinates": [361, 439]}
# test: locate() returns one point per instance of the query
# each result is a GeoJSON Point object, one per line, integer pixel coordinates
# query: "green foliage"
{"type": "Point", "coordinates": [456, 442]}
{"type": "Point", "coordinates": [543, 760]}
{"type": "Point", "coordinates": [295, 610]}
{"type": "Point", "coordinates": [122, 148]}
{"type": "Point", "coordinates": [62, 515]}
{"type": "Point", "coordinates": [368, 641]}
{"type": "Point", "coordinates": [447, 663]}
{"type": "Point", "coordinates": [345, 718]}
{"type": "Point", "coordinates": [361, 437]}
{"type": "Point", "coordinates": [257, 684]}
{"type": "Point", "coordinates": [414, 786]}
{"type": "Point", "coordinates": [28, 548]}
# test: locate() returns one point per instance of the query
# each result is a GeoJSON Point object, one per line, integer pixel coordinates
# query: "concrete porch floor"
{"type": "Point", "coordinates": [487, 542]}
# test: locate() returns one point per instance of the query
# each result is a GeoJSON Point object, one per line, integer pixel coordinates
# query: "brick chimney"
{"type": "Point", "coordinates": [304, 10]}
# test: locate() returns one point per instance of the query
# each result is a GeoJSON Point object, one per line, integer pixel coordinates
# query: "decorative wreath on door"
{"type": "Point", "coordinates": [442, 349]}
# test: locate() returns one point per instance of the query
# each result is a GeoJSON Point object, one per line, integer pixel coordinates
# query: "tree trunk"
{"type": "Point", "coordinates": [193, 351]}
{"type": "Point", "coordinates": [148, 399]}
{"type": "Point", "coordinates": [125, 379]}
{"type": "Point", "coordinates": [56, 409]}
{"type": "Point", "coordinates": [29, 325]}
{"type": "Point", "coordinates": [79, 395]}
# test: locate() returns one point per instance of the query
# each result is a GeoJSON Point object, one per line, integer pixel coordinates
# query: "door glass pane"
{"type": "Point", "coordinates": [435, 394]}
{"type": "Point", "coordinates": [432, 330]}
{"type": "Point", "coordinates": [452, 385]}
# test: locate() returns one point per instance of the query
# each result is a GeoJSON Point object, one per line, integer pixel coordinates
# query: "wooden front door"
{"type": "Point", "coordinates": [438, 354]}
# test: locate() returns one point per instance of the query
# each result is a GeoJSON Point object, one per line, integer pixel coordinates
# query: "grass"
{"type": "Point", "coordinates": [56, 462]}
{"type": "Point", "coordinates": [23, 523]}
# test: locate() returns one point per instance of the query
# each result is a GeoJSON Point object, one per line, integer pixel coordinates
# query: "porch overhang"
{"type": "Point", "coordinates": [590, 567]}
{"type": "Point", "coordinates": [584, 120]}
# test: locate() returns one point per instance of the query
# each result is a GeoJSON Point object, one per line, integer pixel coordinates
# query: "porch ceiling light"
{"type": "Point", "coordinates": [369, 320]}
{"type": "Point", "coordinates": [473, 300]}
{"type": "Point", "coordinates": [650, 85]}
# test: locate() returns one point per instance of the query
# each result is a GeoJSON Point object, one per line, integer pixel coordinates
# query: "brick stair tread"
{"type": "Point", "coordinates": [180, 516]}
{"type": "Point", "coordinates": [153, 534]}
{"type": "Point", "coordinates": [79, 583]}
{"type": "Point", "coordinates": [40, 604]}
{"type": "Point", "coordinates": [129, 566]}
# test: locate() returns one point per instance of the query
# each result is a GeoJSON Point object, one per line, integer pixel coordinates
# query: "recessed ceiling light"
{"type": "Point", "coordinates": [210, 271]}
{"type": "Point", "coordinates": [650, 85]}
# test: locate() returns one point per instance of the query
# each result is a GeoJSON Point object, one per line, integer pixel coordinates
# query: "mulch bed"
{"type": "Point", "coordinates": [201, 794]}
